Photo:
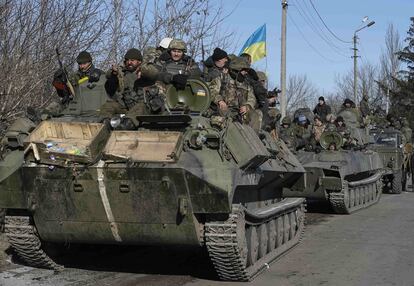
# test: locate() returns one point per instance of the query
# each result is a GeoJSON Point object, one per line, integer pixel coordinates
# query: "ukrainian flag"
{"type": "Point", "coordinates": [255, 45]}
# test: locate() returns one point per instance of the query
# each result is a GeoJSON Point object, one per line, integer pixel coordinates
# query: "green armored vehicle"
{"type": "Point", "coordinates": [179, 178]}
{"type": "Point", "coordinates": [388, 144]}
{"type": "Point", "coordinates": [348, 179]}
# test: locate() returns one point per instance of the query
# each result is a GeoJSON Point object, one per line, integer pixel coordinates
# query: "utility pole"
{"type": "Point", "coordinates": [283, 100]}
{"type": "Point", "coordinates": [355, 56]}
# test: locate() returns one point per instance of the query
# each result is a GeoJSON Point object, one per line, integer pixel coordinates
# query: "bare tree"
{"type": "Point", "coordinates": [389, 64]}
{"type": "Point", "coordinates": [199, 23]}
{"type": "Point", "coordinates": [300, 93]}
{"type": "Point", "coordinates": [367, 75]}
{"type": "Point", "coordinates": [30, 31]}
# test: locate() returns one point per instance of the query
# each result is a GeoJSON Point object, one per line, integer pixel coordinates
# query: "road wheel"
{"type": "Point", "coordinates": [396, 183]}
{"type": "Point", "coordinates": [252, 245]}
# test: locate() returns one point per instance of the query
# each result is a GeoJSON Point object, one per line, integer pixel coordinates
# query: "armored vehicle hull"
{"type": "Point", "coordinates": [177, 179]}
{"type": "Point", "coordinates": [348, 180]}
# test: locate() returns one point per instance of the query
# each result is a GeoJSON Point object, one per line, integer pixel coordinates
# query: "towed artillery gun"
{"type": "Point", "coordinates": [178, 178]}
{"type": "Point", "coordinates": [348, 179]}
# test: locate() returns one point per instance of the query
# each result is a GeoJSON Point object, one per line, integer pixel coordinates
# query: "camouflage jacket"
{"type": "Point", "coordinates": [149, 67]}
{"type": "Point", "coordinates": [166, 66]}
{"type": "Point", "coordinates": [233, 92]}
{"type": "Point", "coordinates": [125, 88]}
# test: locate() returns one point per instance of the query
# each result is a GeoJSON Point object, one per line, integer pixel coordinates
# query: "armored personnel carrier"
{"type": "Point", "coordinates": [178, 178]}
{"type": "Point", "coordinates": [348, 179]}
{"type": "Point", "coordinates": [388, 144]}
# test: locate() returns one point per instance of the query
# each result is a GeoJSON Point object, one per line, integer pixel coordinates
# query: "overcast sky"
{"type": "Point", "coordinates": [328, 56]}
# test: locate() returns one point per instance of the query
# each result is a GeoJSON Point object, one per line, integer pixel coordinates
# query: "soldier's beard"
{"type": "Point", "coordinates": [131, 68]}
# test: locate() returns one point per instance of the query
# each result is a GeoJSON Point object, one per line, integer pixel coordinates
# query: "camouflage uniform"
{"type": "Point", "coordinates": [303, 134]}
{"type": "Point", "coordinates": [287, 133]}
{"type": "Point", "coordinates": [126, 86]}
{"type": "Point", "coordinates": [236, 92]}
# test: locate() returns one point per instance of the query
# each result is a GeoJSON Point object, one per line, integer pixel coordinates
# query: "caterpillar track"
{"type": "Point", "coordinates": [357, 195]}
{"type": "Point", "coordinates": [23, 237]}
{"type": "Point", "coordinates": [244, 245]}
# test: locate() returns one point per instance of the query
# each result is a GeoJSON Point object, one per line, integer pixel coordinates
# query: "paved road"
{"type": "Point", "coordinates": [371, 247]}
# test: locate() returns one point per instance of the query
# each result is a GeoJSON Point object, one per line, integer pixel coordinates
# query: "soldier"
{"type": "Point", "coordinates": [86, 73]}
{"type": "Point", "coordinates": [317, 130]}
{"type": "Point", "coordinates": [88, 88]}
{"type": "Point", "coordinates": [215, 65]}
{"type": "Point", "coordinates": [286, 132]}
{"type": "Point", "coordinates": [151, 57]}
{"type": "Point", "coordinates": [175, 67]}
{"type": "Point", "coordinates": [349, 141]}
{"type": "Point", "coordinates": [123, 83]}
{"type": "Point", "coordinates": [302, 132]}
{"type": "Point", "coordinates": [322, 109]}
{"type": "Point", "coordinates": [340, 125]}
{"type": "Point", "coordinates": [378, 118]}
{"type": "Point", "coordinates": [235, 93]}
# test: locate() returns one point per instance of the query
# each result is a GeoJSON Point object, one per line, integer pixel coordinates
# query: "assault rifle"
{"type": "Point", "coordinates": [66, 78]}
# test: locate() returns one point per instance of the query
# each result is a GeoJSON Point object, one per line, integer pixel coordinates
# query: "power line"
{"type": "Point", "coordinates": [326, 26]}
{"type": "Point", "coordinates": [327, 35]}
{"type": "Point", "coordinates": [309, 44]}
{"type": "Point", "coordinates": [310, 20]}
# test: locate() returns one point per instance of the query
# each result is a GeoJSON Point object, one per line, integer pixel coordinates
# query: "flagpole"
{"type": "Point", "coordinates": [267, 82]}
{"type": "Point", "coordinates": [283, 101]}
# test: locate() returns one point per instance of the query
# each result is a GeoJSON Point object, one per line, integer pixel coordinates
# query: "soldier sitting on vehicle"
{"type": "Point", "coordinates": [86, 72]}
{"type": "Point", "coordinates": [215, 65]}
{"type": "Point", "coordinates": [286, 132]}
{"type": "Point", "coordinates": [82, 92]}
{"type": "Point", "coordinates": [302, 132]}
{"type": "Point", "coordinates": [349, 142]}
{"type": "Point", "coordinates": [235, 94]}
{"type": "Point", "coordinates": [136, 93]}
{"type": "Point", "coordinates": [322, 109]}
{"type": "Point", "coordinates": [175, 67]}
{"type": "Point", "coordinates": [151, 57]}
{"type": "Point", "coordinates": [317, 130]}
{"type": "Point", "coordinates": [340, 125]}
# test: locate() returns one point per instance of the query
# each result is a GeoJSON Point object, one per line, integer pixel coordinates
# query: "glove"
{"type": "Point", "coordinates": [94, 75]}
{"type": "Point", "coordinates": [179, 81]}
{"type": "Point", "coordinates": [60, 76]}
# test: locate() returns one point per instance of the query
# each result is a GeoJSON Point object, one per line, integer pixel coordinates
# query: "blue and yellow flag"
{"type": "Point", "coordinates": [255, 45]}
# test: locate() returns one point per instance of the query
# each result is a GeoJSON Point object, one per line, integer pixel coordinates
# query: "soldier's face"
{"type": "Point", "coordinates": [132, 64]}
{"type": "Point", "coordinates": [321, 102]}
{"type": "Point", "coordinates": [221, 63]}
{"type": "Point", "coordinates": [176, 55]}
{"type": "Point", "coordinates": [84, 67]}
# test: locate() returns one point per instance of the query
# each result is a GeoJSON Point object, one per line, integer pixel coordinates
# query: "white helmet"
{"type": "Point", "coordinates": [165, 43]}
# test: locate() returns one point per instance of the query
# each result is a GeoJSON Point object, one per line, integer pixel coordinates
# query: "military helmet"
{"type": "Point", "coordinates": [286, 120]}
{"type": "Point", "coordinates": [261, 75]}
{"type": "Point", "coordinates": [177, 44]}
{"type": "Point", "coordinates": [133, 54]}
{"type": "Point", "coordinates": [239, 63]}
{"type": "Point", "coordinates": [84, 57]}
